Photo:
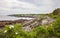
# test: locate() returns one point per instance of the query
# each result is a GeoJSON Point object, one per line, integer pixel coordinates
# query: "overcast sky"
{"type": "Point", "coordinates": [28, 6]}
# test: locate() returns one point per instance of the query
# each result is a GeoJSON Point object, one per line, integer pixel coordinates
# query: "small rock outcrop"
{"type": "Point", "coordinates": [47, 20]}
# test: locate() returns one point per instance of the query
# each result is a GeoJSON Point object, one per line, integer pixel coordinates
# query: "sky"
{"type": "Point", "coordinates": [28, 6]}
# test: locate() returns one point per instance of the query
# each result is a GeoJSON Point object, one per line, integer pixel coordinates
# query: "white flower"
{"type": "Point", "coordinates": [5, 31]}
{"type": "Point", "coordinates": [16, 33]}
{"type": "Point", "coordinates": [11, 26]}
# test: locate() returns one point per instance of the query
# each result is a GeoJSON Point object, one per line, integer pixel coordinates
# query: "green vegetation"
{"type": "Point", "coordinates": [56, 11]}
{"type": "Point", "coordinates": [49, 31]}
{"type": "Point", "coordinates": [16, 31]}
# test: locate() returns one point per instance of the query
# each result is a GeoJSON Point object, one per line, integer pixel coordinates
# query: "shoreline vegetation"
{"type": "Point", "coordinates": [44, 26]}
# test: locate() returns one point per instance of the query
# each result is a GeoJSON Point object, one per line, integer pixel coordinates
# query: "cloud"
{"type": "Point", "coordinates": [14, 6]}
{"type": "Point", "coordinates": [16, 3]}
{"type": "Point", "coordinates": [26, 6]}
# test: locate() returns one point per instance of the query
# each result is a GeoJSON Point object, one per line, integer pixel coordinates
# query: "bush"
{"type": "Point", "coordinates": [56, 11]}
{"type": "Point", "coordinates": [57, 27]}
{"type": "Point", "coordinates": [16, 31]}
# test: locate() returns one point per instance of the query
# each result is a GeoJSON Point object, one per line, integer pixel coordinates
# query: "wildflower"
{"type": "Point", "coordinates": [5, 31]}
{"type": "Point", "coordinates": [11, 26]}
{"type": "Point", "coordinates": [16, 33]}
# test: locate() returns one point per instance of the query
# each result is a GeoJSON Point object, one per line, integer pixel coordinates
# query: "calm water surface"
{"type": "Point", "coordinates": [5, 17]}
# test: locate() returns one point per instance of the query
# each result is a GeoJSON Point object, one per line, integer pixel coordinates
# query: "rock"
{"type": "Point", "coordinates": [47, 20]}
{"type": "Point", "coordinates": [27, 28]}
